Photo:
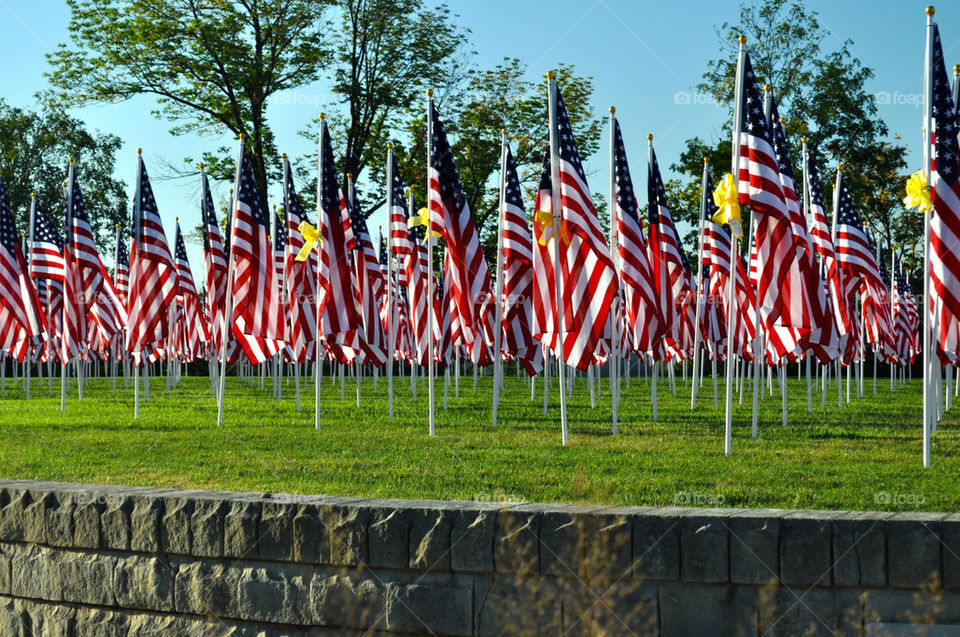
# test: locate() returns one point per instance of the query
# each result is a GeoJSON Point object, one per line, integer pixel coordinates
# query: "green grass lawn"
{"type": "Point", "coordinates": [832, 459]}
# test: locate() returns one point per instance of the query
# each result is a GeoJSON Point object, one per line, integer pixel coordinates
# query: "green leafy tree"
{"type": "Point", "coordinates": [821, 96]}
{"type": "Point", "coordinates": [35, 147]}
{"type": "Point", "coordinates": [212, 66]}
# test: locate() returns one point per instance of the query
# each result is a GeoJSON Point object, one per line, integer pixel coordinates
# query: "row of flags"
{"type": "Point", "coordinates": [328, 292]}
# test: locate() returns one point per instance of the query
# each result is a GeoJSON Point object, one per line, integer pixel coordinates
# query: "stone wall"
{"type": "Point", "coordinates": [81, 560]}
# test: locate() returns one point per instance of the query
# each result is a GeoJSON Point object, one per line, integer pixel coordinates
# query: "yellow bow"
{"type": "Point", "coordinates": [311, 237]}
{"type": "Point", "coordinates": [725, 198]}
{"type": "Point", "coordinates": [918, 195]}
{"type": "Point", "coordinates": [422, 218]}
{"type": "Point", "coordinates": [545, 219]}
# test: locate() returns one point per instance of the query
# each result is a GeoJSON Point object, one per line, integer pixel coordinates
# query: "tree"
{"type": "Point", "coordinates": [212, 66]}
{"type": "Point", "coordinates": [821, 95]}
{"type": "Point", "coordinates": [34, 150]}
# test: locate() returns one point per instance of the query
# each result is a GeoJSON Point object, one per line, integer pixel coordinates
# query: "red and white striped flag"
{"type": "Point", "coordinates": [21, 319]}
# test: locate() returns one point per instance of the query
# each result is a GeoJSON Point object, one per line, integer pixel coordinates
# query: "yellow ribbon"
{"type": "Point", "coordinates": [422, 218]}
{"type": "Point", "coordinates": [311, 237]}
{"type": "Point", "coordinates": [918, 195]}
{"type": "Point", "coordinates": [725, 198]}
{"type": "Point", "coordinates": [545, 219]}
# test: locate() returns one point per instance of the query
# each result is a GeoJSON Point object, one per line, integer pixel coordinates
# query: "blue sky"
{"type": "Point", "coordinates": [645, 59]}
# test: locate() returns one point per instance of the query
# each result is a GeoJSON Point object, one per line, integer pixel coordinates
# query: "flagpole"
{"type": "Point", "coordinates": [498, 297]}
{"type": "Point", "coordinates": [616, 309]}
{"type": "Point", "coordinates": [318, 345]}
{"type": "Point", "coordinates": [430, 306]}
{"type": "Point", "coordinates": [927, 121]}
{"type": "Point", "coordinates": [731, 313]}
{"type": "Point", "coordinates": [699, 285]}
{"type": "Point", "coordinates": [67, 224]}
{"type": "Point", "coordinates": [28, 255]}
{"type": "Point", "coordinates": [228, 310]}
{"type": "Point", "coordinates": [804, 159]}
{"type": "Point", "coordinates": [654, 369]}
{"type": "Point", "coordinates": [391, 325]}
{"type": "Point", "coordinates": [555, 204]}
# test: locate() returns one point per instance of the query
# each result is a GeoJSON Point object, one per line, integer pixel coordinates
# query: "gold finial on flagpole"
{"type": "Point", "coordinates": [429, 92]}
{"type": "Point", "coordinates": [706, 160]}
{"type": "Point", "coordinates": [503, 131]}
{"type": "Point", "coordinates": [742, 39]}
{"type": "Point", "coordinates": [349, 176]}
{"type": "Point", "coordinates": [283, 155]}
{"type": "Point", "coordinates": [551, 75]}
{"type": "Point", "coordinates": [389, 146]}
{"type": "Point", "coordinates": [201, 165]}
{"type": "Point", "coordinates": [322, 116]}
{"type": "Point", "coordinates": [931, 10]}
{"type": "Point", "coordinates": [613, 109]}
{"type": "Point", "coordinates": [767, 88]}
{"type": "Point", "coordinates": [803, 140]}
{"type": "Point", "coordinates": [70, 159]}
{"type": "Point", "coordinates": [650, 136]}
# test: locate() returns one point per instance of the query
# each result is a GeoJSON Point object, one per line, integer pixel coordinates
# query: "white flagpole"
{"type": "Point", "coordinates": [927, 122]}
{"type": "Point", "coordinates": [804, 160]}
{"type": "Point", "coordinates": [734, 158]}
{"type": "Point", "coordinates": [359, 266]}
{"type": "Point", "coordinates": [391, 323]}
{"type": "Point", "coordinates": [498, 294]}
{"type": "Point", "coordinates": [697, 356]}
{"type": "Point", "coordinates": [655, 366]}
{"type": "Point", "coordinates": [415, 364]}
{"type": "Point", "coordinates": [430, 291]}
{"type": "Point", "coordinates": [555, 205]}
{"type": "Point", "coordinates": [228, 310]}
{"type": "Point", "coordinates": [68, 223]}
{"type": "Point", "coordinates": [28, 255]}
{"type": "Point", "coordinates": [318, 349]}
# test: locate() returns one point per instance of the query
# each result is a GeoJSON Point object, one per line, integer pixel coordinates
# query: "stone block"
{"type": "Point", "coordinates": [13, 504]}
{"type": "Point", "coordinates": [911, 606]}
{"type": "Point", "coordinates": [115, 523]}
{"type": "Point", "coordinates": [348, 601]}
{"type": "Point", "coordinates": [913, 549]}
{"type": "Point", "coordinates": [241, 530]}
{"type": "Point", "coordinates": [696, 609]}
{"type": "Point", "coordinates": [276, 531]}
{"type": "Point", "coordinates": [205, 588]}
{"type": "Point", "coordinates": [755, 546]}
{"type": "Point", "coordinates": [429, 547]}
{"type": "Point", "coordinates": [98, 622]}
{"type": "Point", "coordinates": [32, 575]}
{"type": "Point", "coordinates": [34, 519]}
{"type": "Point", "coordinates": [6, 552]}
{"type": "Point", "coordinates": [608, 544]}
{"type": "Point", "coordinates": [950, 536]}
{"type": "Point", "coordinates": [278, 593]}
{"type": "Point", "coordinates": [430, 608]}
{"type": "Point", "coordinates": [656, 544]}
{"type": "Point", "coordinates": [527, 605]}
{"type": "Point", "coordinates": [471, 539]}
{"type": "Point", "coordinates": [562, 539]}
{"type": "Point", "coordinates": [805, 548]}
{"type": "Point", "coordinates": [84, 578]}
{"type": "Point", "coordinates": [816, 612]}
{"type": "Point", "coordinates": [626, 607]}
{"type": "Point", "coordinates": [58, 517]}
{"type": "Point", "coordinates": [346, 527]}
{"type": "Point", "coordinates": [859, 549]}
{"type": "Point", "coordinates": [145, 524]}
{"type": "Point", "coordinates": [704, 547]}
{"type": "Point", "coordinates": [387, 537]}
{"type": "Point", "coordinates": [86, 523]}
{"type": "Point", "coordinates": [144, 582]}
{"type": "Point", "coordinates": [49, 619]}
{"type": "Point", "coordinates": [516, 543]}
{"type": "Point", "coordinates": [175, 525]}
{"type": "Point", "coordinates": [206, 528]}
{"type": "Point", "coordinates": [10, 619]}
{"type": "Point", "coordinates": [311, 542]}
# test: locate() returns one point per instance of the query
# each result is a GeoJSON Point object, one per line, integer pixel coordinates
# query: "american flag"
{"type": "Point", "coordinates": [853, 247]}
{"type": "Point", "coordinates": [517, 311]}
{"type": "Point", "coordinates": [81, 267]}
{"type": "Point", "coordinates": [339, 319]}
{"type": "Point", "coordinates": [47, 249]}
{"type": "Point", "coordinates": [20, 316]}
{"type": "Point", "coordinates": [121, 274]}
{"type": "Point", "coordinates": [369, 287]}
{"type": "Point", "coordinates": [258, 317]}
{"type": "Point", "coordinates": [215, 259]}
{"type": "Point", "coordinates": [636, 273]}
{"type": "Point", "coordinates": [667, 261]}
{"type": "Point", "coordinates": [301, 278]}
{"type": "Point", "coordinates": [152, 273]}
{"type": "Point", "coordinates": [195, 332]}
{"type": "Point", "coordinates": [469, 279]}
{"type": "Point", "coordinates": [412, 273]}
{"type": "Point", "coordinates": [716, 264]}
{"type": "Point", "coordinates": [779, 297]}
{"type": "Point", "coordinates": [945, 222]}
{"type": "Point", "coordinates": [588, 279]}
{"type": "Point", "coordinates": [823, 243]}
